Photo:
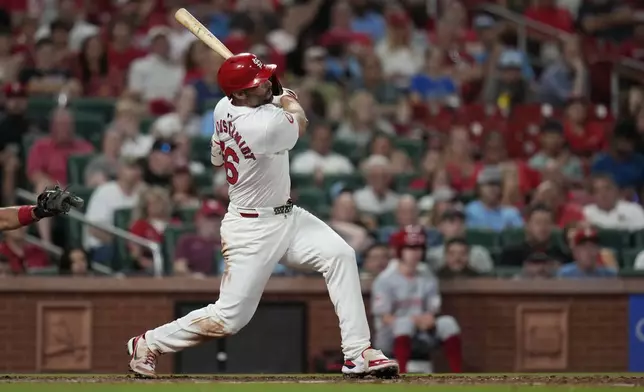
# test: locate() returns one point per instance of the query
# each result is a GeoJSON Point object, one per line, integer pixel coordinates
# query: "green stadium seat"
{"type": "Point", "coordinates": [353, 181]}
{"type": "Point", "coordinates": [200, 149]}
{"type": "Point", "coordinates": [628, 256]}
{"type": "Point", "coordinates": [413, 148]}
{"type": "Point", "coordinates": [387, 219]}
{"type": "Point", "coordinates": [203, 180]}
{"type": "Point", "coordinates": [122, 220]}
{"type": "Point", "coordinates": [301, 145]}
{"type": "Point", "coordinates": [209, 105]}
{"type": "Point", "coordinates": [506, 272]}
{"type": "Point", "coordinates": [40, 107]}
{"type": "Point", "coordinates": [348, 149]}
{"type": "Point", "coordinates": [417, 193]}
{"type": "Point", "coordinates": [512, 236]}
{"type": "Point", "coordinates": [638, 238]}
{"type": "Point", "coordinates": [146, 124]}
{"type": "Point", "coordinates": [170, 238]}
{"type": "Point", "coordinates": [76, 168]}
{"type": "Point", "coordinates": [103, 107]}
{"type": "Point", "coordinates": [486, 238]}
{"type": "Point", "coordinates": [90, 127]}
{"type": "Point", "coordinates": [630, 273]}
{"type": "Point", "coordinates": [615, 239]}
{"type": "Point", "coordinates": [403, 180]}
{"type": "Point", "coordinates": [74, 227]}
{"type": "Point", "coordinates": [311, 198]}
{"type": "Point", "coordinates": [302, 180]}
{"type": "Point", "coordinates": [187, 215]}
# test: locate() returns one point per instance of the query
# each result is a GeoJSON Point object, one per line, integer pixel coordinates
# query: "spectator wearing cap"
{"type": "Point", "coordinates": [45, 77]}
{"type": "Point", "coordinates": [507, 86]}
{"type": "Point", "coordinates": [155, 76]}
{"type": "Point", "coordinates": [399, 57]}
{"type": "Point", "coordinates": [622, 162]}
{"type": "Point", "coordinates": [183, 119]}
{"type": "Point", "coordinates": [197, 252]}
{"type": "Point", "coordinates": [487, 212]}
{"type": "Point", "coordinates": [609, 210]}
{"type": "Point", "coordinates": [487, 32]}
{"type": "Point", "coordinates": [70, 13]}
{"type": "Point", "coordinates": [183, 190]}
{"type": "Point", "coordinates": [538, 266]}
{"type": "Point", "coordinates": [376, 197]}
{"type": "Point", "coordinates": [585, 252]}
{"type": "Point", "coordinates": [549, 13]}
{"type": "Point", "coordinates": [104, 167]}
{"type": "Point", "coordinates": [120, 193]}
{"type": "Point", "coordinates": [566, 78]}
{"type": "Point", "coordinates": [452, 226]}
{"type": "Point", "coordinates": [584, 136]}
{"type": "Point", "coordinates": [158, 167]}
{"type": "Point", "coordinates": [319, 159]}
{"type": "Point", "coordinates": [552, 195]}
{"type": "Point", "coordinates": [607, 257]}
{"type": "Point", "coordinates": [538, 239]}
{"type": "Point", "coordinates": [346, 222]}
{"type": "Point", "coordinates": [435, 83]}
{"type": "Point", "coordinates": [457, 260]}
{"type": "Point", "coordinates": [554, 154]}
{"type": "Point", "coordinates": [14, 126]}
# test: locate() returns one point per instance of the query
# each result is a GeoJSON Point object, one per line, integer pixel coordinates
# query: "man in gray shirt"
{"type": "Point", "coordinates": [406, 306]}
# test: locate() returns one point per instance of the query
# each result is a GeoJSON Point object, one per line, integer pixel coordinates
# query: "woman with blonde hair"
{"type": "Point", "coordinates": [151, 217]}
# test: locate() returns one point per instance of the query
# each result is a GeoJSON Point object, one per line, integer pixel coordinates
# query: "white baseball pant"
{"type": "Point", "coordinates": [252, 248]}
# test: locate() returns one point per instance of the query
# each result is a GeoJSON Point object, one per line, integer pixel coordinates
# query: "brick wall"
{"type": "Point", "coordinates": [596, 337]}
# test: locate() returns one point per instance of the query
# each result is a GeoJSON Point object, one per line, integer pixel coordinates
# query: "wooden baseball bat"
{"type": "Point", "coordinates": [200, 31]}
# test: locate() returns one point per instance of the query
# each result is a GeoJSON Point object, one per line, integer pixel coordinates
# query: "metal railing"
{"type": "Point", "coordinates": [625, 66]}
{"type": "Point", "coordinates": [157, 257]}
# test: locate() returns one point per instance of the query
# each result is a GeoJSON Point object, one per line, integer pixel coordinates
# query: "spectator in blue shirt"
{"type": "Point", "coordinates": [622, 162]}
{"type": "Point", "coordinates": [434, 83]}
{"type": "Point", "coordinates": [487, 212]}
{"type": "Point", "coordinates": [586, 253]}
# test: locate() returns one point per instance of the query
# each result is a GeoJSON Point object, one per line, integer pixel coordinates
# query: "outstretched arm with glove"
{"type": "Point", "coordinates": [51, 202]}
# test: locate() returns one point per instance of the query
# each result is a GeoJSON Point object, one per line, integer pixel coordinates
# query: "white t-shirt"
{"type": "Point", "coordinates": [255, 144]}
{"type": "Point", "coordinates": [155, 78]}
{"type": "Point", "coordinates": [367, 201]}
{"type": "Point", "coordinates": [625, 216]}
{"type": "Point", "coordinates": [137, 147]}
{"type": "Point", "coordinates": [106, 199]}
{"type": "Point", "coordinates": [309, 161]}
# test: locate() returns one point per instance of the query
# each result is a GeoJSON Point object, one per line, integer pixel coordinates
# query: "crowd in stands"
{"type": "Point", "coordinates": [512, 159]}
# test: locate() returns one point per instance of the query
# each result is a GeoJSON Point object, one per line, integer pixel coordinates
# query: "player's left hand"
{"type": "Point", "coordinates": [276, 85]}
{"type": "Point", "coordinates": [286, 92]}
{"type": "Point", "coordinates": [56, 201]}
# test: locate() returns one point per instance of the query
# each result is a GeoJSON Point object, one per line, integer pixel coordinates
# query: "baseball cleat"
{"type": "Point", "coordinates": [143, 360]}
{"type": "Point", "coordinates": [371, 363]}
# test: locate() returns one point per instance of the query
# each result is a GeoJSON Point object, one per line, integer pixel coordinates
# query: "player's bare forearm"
{"type": "Point", "coordinates": [292, 106]}
{"type": "Point", "coordinates": [12, 218]}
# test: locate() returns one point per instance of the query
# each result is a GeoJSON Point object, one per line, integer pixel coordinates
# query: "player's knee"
{"type": "Point", "coordinates": [228, 322]}
{"type": "Point", "coordinates": [344, 252]}
{"type": "Point", "coordinates": [446, 327]}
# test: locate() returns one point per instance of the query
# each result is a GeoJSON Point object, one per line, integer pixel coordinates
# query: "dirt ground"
{"type": "Point", "coordinates": [595, 380]}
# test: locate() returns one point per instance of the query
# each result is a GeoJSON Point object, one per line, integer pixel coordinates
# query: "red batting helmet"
{"type": "Point", "coordinates": [242, 71]}
{"type": "Point", "coordinates": [409, 237]}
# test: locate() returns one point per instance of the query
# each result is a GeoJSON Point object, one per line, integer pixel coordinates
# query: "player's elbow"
{"type": "Point", "coordinates": [302, 123]}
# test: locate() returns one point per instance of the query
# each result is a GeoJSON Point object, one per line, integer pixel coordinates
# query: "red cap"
{"type": "Point", "coordinates": [12, 90]}
{"type": "Point", "coordinates": [585, 235]}
{"type": "Point", "coordinates": [210, 208]}
{"type": "Point", "coordinates": [408, 237]}
{"type": "Point", "coordinates": [398, 19]}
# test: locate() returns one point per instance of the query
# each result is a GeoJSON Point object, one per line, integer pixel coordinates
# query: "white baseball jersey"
{"type": "Point", "coordinates": [253, 144]}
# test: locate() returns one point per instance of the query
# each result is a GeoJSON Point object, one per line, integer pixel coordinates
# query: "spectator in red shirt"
{"type": "Point", "coordinates": [584, 137]}
{"type": "Point", "coordinates": [196, 252]}
{"type": "Point", "coordinates": [20, 255]}
{"type": "Point", "coordinates": [151, 218]}
{"type": "Point", "coordinates": [121, 51]}
{"type": "Point", "coordinates": [551, 194]}
{"type": "Point", "coordinates": [548, 13]}
{"type": "Point", "coordinates": [459, 160]}
{"type": "Point", "coordinates": [93, 70]}
{"type": "Point", "coordinates": [634, 47]}
{"type": "Point", "coordinates": [47, 158]}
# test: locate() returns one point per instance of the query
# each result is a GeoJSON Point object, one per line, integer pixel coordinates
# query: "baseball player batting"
{"type": "Point", "coordinates": [51, 202]}
{"type": "Point", "coordinates": [406, 306]}
{"type": "Point", "coordinates": [256, 125]}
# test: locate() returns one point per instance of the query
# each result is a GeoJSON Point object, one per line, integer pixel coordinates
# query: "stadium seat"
{"type": "Point", "coordinates": [387, 219]}
{"type": "Point", "coordinates": [200, 149]}
{"type": "Point", "coordinates": [353, 181]}
{"type": "Point", "coordinates": [486, 238]}
{"type": "Point", "coordinates": [103, 107]}
{"type": "Point", "coordinates": [630, 273]}
{"type": "Point", "coordinates": [187, 215]}
{"type": "Point", "coordinates": [146, 125]}
{"type": "Point", "coordinates": [170, 238]}
{"type": "Point", "coordinates": [615, 239]}
{"type": "Point", "coordinates": [403, 180]}
{"type": "Point", "coordinates": [40, 107]}
{"type": "Point", "coordinates": [413, 148]}
{"type": "Point", "coordinates": [90, 127]}
{"type": "Point", "coordinates": [302, 180]}
{"type": "Point", "coordinates": [311, 198]}
{"type": "Point", "coordinates": [203, 180]}
{"type": "Point", "coordinates": [76, 168]}
{"type": "Point", "coordinates": [122, 220]}
{"type": "Point", "coordinates": [301, 145]}
{"type": "Point", "coordinates": [345, 148]}
{"type": "Point", "coordinates": [638, 238]}
{"type": "Point", "coordinates": [506, 272]}
{"type": "Point", "coordinates": [627, 257]}
{"type": "Point", "coordinates": [512, 236]}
